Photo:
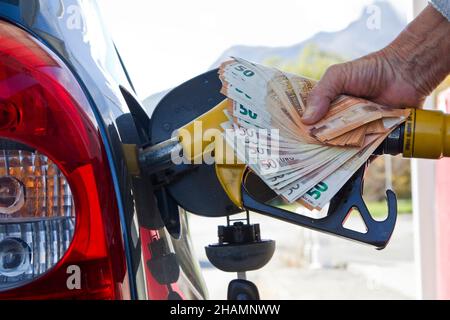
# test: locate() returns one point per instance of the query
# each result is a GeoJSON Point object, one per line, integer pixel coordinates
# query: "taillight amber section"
{"type": "Point", "coordinates": [34, 177]}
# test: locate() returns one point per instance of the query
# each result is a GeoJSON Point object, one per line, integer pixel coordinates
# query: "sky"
{"type": "Point", "coordinates": [164, 43]}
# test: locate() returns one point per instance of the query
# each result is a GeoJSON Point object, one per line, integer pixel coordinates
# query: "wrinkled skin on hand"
{"type": "Point", "coordinates": [401, 75]}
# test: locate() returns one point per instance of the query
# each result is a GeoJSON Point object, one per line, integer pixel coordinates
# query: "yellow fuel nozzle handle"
{"type": "Point", "coordinates": [202, 138]}
{"type": "Point", "coordinates": [426, 135]}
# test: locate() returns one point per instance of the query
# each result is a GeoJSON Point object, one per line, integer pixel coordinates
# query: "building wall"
{"type": "Point", "coordinates": [424, 211]}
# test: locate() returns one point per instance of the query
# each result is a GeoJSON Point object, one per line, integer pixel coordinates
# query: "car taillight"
{"type": "Point", "coordinates": [60, 233]}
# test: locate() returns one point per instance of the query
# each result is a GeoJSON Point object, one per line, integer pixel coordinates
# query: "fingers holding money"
{"type": "Point", "coordinates": [327, 89]}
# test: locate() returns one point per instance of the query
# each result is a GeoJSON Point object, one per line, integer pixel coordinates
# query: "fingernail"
{"type": "Point", "coordinates": [309, 112]}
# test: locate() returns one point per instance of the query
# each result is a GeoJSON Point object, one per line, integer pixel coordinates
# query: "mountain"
{"type": "Point", "coordinates": [356, 40]}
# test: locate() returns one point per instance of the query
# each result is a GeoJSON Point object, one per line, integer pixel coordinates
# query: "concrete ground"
{"type": "Point", "coordinates": [339, 269]}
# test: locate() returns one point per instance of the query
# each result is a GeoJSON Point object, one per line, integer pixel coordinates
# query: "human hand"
{"type": "Point", "coordinates": [401, 75]}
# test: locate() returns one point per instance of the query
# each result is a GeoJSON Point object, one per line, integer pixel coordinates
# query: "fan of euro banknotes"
{"type": "Point", "coordinates": [302, 163]}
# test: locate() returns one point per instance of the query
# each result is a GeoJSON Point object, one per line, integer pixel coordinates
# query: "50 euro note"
{"type": "Point", "coordinates": [310, 163]}
{"type": "Point", "coordinates": [298, 188]}
{"type": "Point", "coordinates": [283, 165]}
{"type": "Point", "coordinates": [258, 79]}
{"type": "Point", "coordinates": [284, 96]}
{"type": "Point", "coordinates": [359, 114]}
{"type": "Point", "coordinates": [282, 183]}
{"type": "Point", "coordinates": [322, 193]}
{"type": "Point", "coordinates": [263, 133]}
{"type": "Point", "coordinates": [274, 160]}
{"type": "Point", "coordinates": [267, 90]}
{"type": "Point", "coordinates": [264, 157]}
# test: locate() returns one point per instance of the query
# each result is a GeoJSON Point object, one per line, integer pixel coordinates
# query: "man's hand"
{"type": "Point", "coordinates": [401, 75]}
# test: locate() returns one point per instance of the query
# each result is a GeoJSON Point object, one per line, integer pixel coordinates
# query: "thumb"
{"type": "Point", "coordinates": [320, 98]}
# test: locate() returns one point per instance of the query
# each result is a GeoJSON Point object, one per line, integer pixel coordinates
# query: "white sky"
{"type": "Point", "coordinates": [163, 43]}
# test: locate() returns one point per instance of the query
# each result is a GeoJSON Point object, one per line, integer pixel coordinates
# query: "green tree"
{"type": "Point", "coordinates": [312, 62]}
{"type": "Point", "coordinates": [374, 182]}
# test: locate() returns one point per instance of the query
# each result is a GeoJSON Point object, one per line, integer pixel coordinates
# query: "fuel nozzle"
{"type": "Point", "coordinates": [425, 135]}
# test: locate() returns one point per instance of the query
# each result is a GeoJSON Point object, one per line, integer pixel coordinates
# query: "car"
{"type": "Point", "coordinates": [74, 223]}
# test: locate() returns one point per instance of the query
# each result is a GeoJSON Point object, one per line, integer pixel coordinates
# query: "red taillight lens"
{"type": "Point", "coordinates": [45, 112]}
